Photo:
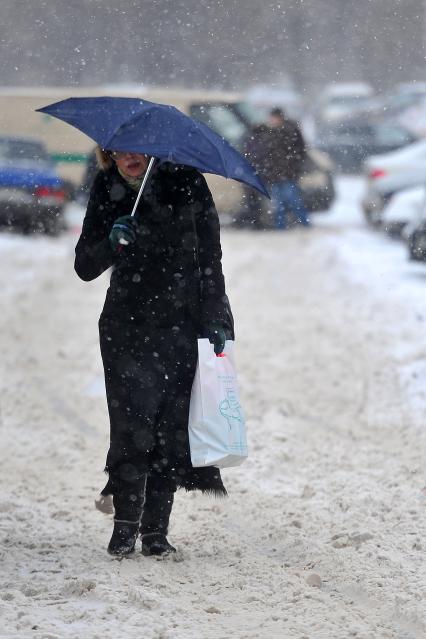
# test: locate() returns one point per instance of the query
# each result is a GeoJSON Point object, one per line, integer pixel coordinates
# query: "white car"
{"type": "Point", "coordinates": [342, 99]}
{"type": "Point", "coordinates": [389, 173]}
{"type": "Point", "coordinates": [404, 211]}
{"type": "Point", "coordinates": [265, 98]}
{"type": "Point", "coordinates": [414, 118]}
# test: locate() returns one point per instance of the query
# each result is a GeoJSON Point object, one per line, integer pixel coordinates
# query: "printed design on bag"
{"type": "Point", "coordinates": [230, 408]}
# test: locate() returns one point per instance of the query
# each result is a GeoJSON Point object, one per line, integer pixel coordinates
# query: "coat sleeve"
{"type": "Point", "coordinates": [214, 301]}
{"type": "Point", "coordinates": [93, 253]}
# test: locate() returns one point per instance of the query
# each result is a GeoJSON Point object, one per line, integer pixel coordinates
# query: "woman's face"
{"type": "Point", "coordinates": [131, 164]}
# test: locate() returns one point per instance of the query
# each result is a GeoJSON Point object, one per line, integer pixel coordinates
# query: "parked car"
{"type": "Point", "coordinates": [264, 98]}
{"type": "Point", "coordinates": [340, 100]}
{"type": "Point", "coordinates": [414, 118]}
{"type": "Point", "coordinates": [416, 242]}
{"type": "Point", "coordinates": [386, 174]}
{"type": "Point", "coordinates": [392, 107]}
{"type": "Point", "coordinates": [404, 211]}
{"type": "Point", "coordinates": [350, 142]}
{"type": "Point", "coordinates": [316, 183]}
{"type": "Point", "coordinates": [32, 195]}
{"type": "Point", "coordinates": [233, 122]}
{"type": "Point", "coordinates": [410, 210]}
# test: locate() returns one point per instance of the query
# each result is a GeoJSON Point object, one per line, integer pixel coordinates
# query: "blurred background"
{"type": "Point", "coordinates": [228, 44]}
{"type": "Point", "coordinates": [351, 73]}
{"type": "Point", "coordinates": [331, 338]}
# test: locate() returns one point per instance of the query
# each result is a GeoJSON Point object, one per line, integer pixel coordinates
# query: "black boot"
{"type": "Point", "coordinates": [155, 517]}
{"type": "Point", "coordinates": [156, 544]}
{"type": "Point", "coordinates": [123, 538]}
{"type": "Point", "coordinates": [128, 500]}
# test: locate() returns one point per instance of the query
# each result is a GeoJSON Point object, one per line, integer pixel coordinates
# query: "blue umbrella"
{"type": "Point", "coordinates": [159, 130]}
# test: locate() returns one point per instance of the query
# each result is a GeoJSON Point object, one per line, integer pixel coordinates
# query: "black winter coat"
{"type": "Point", "coordinates": [159, 280]}
{"type": "Point", "coordinates": [164, 288]}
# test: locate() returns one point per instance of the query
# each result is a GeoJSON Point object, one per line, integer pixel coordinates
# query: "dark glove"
{"type": "Point", "coordinates": [216, 335]}
{"type": "Point", "coordinates": [124, 228]}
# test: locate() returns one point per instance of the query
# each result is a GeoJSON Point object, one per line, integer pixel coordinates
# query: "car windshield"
{"type": "Point", "coordinates": [222, 120]}
{"type": "Point", "coordinates": [346, 133]}
{"type": "Point", "coordinates": [349, 100]}
{"type": "Point", "coordinates": [22, 150]}
{"type": "Point", "coordinates": [381, 134]}
{"type": "Point", "coordinates": [253, 114]}
{"type": "Point", "coordinates": [392, 135]}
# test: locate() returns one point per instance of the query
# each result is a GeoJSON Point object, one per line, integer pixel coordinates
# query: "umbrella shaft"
{"type": "Point", "coordinates": [145, 178]}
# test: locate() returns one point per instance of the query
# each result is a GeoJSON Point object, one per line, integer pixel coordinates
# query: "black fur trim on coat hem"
{"type": "Point", "coordinates": [219, 493]}
{"type": "Point", "coordinates": [212, 491]}
{"type": "Point", "coordinates": [207, 480]}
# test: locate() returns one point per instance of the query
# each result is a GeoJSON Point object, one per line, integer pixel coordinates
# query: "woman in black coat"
{"type": "Point", "coordinates": [166, 290]}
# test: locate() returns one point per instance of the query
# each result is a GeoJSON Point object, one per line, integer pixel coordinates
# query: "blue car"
{"type": "Point", "coordinates": [32, 195]}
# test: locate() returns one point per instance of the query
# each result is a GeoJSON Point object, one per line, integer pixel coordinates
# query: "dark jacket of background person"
{"type": "Point", "coordinates": [251, 206]}
{"type": "Point", "coordinates": [253, 146]}
{"type": "Point", "coordinates": [160, 296]}
{"type": "Point", "coordinates": [281, 152]}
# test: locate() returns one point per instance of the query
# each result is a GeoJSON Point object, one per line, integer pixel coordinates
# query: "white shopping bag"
{"type": "Point", "coordinates": [217, 435]}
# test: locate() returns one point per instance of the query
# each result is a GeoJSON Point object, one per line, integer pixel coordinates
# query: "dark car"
{"type": "Point", "coordinates": [32, 195]}
{"type": "Point", "coordinates": [350, 143]}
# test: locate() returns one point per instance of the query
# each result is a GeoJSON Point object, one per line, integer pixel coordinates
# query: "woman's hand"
{"type": "Point", "coordinates": [216, 335]}
{"type": "Point", "coordinates": [123, 232]}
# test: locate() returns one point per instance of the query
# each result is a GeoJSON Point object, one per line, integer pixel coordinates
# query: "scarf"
{"type": "Point", "coordinates": [133, 182]}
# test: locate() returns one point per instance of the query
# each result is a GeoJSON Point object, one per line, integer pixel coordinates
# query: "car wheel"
{"type": "Point", "coordinates": [417, 247]}
{"type": "Point", "coordinates": [26, 228]}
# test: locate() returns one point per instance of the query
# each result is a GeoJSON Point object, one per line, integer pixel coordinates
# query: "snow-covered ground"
{"type": "Point", "coordinates": [323, 533]}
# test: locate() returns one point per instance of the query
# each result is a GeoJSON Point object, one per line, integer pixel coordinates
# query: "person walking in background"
{"type": "Point", "coordinates": [167, 289]}
{"type": "Point", "coordinates": [252, 202]}
{"type": "Point", "coordinates": [282, 151]}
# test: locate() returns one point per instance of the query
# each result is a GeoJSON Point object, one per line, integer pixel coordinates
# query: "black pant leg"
{"type": "Point", "coordinates": [158, 504]}
{"type": "Point", "coordinates": [128, 501]}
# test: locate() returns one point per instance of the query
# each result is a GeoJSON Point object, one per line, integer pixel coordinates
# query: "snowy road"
{"type": "Point", "coordinates": [323, 534]}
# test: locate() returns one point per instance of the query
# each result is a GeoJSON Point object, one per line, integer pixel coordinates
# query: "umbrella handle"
{"type": "Point", "coordinates": [144, 181]}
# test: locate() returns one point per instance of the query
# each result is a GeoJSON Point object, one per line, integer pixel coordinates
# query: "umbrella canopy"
{"type": "Point", "coordinates": [159, 130]}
